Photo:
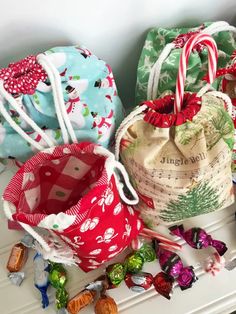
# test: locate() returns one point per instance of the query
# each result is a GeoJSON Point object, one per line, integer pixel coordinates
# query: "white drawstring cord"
{"type": "Point", "coordinates": [204, 90]}
{"type": "Point", "coordinates": [134, 116]}
{"type": "Point", "coordinates": [155, 72]}
{"type": "Point", "coordinates": [211, 29]}
{"type": "Point", "coordinates": [59, 107]}
{"type": "Point", "coordinates": [16, 127]}
{"type": "Point", "coordinates": [24, 116]}
{"type": "Point", "coordinates": [218, 27]}
{"type": "Point", "coordinates": [56, 81]}
{"type": "Point", "coordinates": [55, 98]}
{"type": "Point", "coordinates": [111, 166]}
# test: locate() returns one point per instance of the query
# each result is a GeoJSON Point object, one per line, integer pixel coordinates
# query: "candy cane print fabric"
{"type": "Point", "coordinates": [69, 190]}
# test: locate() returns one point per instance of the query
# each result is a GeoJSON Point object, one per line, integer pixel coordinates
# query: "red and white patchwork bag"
{"type": "Point", "coordinates": [74, 191]}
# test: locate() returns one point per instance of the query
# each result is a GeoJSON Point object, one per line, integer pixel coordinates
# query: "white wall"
{"type": "Point", "coordinates": [114, 30]}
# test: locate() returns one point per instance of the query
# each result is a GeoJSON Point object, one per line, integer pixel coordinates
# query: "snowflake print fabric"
{"type": "Point", "coordinates": [158, 38]}
{"type": "Point", "coordinates": [68, 190]}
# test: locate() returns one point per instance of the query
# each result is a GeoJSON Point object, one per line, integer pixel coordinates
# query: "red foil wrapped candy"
{"type": "Point", "coordinates": [139, 282]}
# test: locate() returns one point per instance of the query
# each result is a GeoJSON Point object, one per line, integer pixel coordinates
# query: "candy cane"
{"type": "Point", "coordinates": [168, 243]}
{"type": "Point", "coordinates": [209, 42]}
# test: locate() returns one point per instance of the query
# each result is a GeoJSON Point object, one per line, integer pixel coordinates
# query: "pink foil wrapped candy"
{"type": "Point", "coordinates": [172, 265]}
{"type": "Point", "coordinates": [197, 238]}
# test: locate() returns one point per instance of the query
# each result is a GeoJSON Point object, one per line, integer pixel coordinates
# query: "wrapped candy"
{"type": "Point", "coordinates": [105, 305]}
{"type": "Point", "coordinates": [197, 238]}
{"type": "Point", "coordinates": [28, 240]}
{"type": "Point", "coordinates": [134, 263]}
{"type": "Point", "coordinates": [139, 282]}
{"type": "Point", "coordinates": [17, 258]}
{"type": "Point", "coordinates": [16, 278]}
{"type": "Point", "coordinates": [164, 284]}
{"type": "Point", "coordinates": [80, 300]}
{"type": "Point", "coordinates": [41, 277]}
{"type": "Point", "coordinates": [100, 285]}
{"type": "Point", "coordinates": [58, 279]}
{"type": "Point", "coordinates": [147, 252]}
{"type": "Point", "coordinates": [116, 273]}
{"type": "Point", "coordinates": [172, 265]}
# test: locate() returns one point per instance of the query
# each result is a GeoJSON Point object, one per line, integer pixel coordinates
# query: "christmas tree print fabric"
{"type": "Point", "coordinates": [71, 190]}
{"type": "Point", "coordinates": [183, 170]}
{"type": "Point", "coordinates": [157, 39]}
{"type": "Point", "coordinates": [90, 97]}
{"type": "Point", "coordinates": [228, 86]}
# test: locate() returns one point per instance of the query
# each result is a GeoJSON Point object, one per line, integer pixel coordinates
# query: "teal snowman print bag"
{"type": "Point", "coordinates": [68, 92]}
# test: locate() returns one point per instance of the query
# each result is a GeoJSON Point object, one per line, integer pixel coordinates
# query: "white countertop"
{"type": "Point", "coordinates": [208, 295]}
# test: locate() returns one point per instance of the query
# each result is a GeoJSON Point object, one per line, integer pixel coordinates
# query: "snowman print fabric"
{"type": "Point", "coordinates": [90, 98]}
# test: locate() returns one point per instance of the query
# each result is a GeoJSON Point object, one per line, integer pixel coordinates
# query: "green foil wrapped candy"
{"type": "Point", "coordinates": [116, 273]}
{"type": "Point", "coordinates": [147, 252]}
{"type": "Point", "coordinates": [134, 263]}
{"type": "Point", "coordinates": [57, 276]}
{"type": "Point", "coordinates": [58, 279]}
{"type": "Point", "coordinates": [61, 298]}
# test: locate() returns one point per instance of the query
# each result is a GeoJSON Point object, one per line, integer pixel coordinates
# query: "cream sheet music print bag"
{"type": "Point", "coordinates": [177, 149]}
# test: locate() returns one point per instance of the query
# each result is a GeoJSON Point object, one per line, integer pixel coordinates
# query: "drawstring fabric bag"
{"type": "Point", "coordinates": [177, 149]}
{"type": "Point", "coordinates": [158, 64]}
{"type": "Point", "coordinates": [68, 92]}
{"type": "Point", "coordinates": [75, 192]}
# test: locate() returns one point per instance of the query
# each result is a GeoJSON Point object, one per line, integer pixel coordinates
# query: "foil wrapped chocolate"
{"type": "Point", "coordinates": [116, 273]}
{"type": "Point", "coordinates": [17, 258]}
{"type": "Point", "coordinates": [147, 252]}
{"type": "Point", "coordinates": [172, 265]}
{"type": "Point", "coordinates": [58, 279]}
{"type": "Point", "coordinates": [198, 238]}
{"type": "Point", "coordinates": [164, 284]}
{"type": "Point", "coordinates": [139, 282]}
{"type": "Point", "coordinates": [134, 262]}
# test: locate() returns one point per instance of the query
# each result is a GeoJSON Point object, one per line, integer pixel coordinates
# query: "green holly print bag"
{"type": "Point", "coordinates": [155, 77]}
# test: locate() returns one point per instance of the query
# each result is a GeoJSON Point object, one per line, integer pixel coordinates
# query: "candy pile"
{"type": "Point", "coordinates": [130, 272]}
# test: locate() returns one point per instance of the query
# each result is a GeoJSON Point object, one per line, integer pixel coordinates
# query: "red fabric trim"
{"type": "Point", "coordinates": [160, 111]}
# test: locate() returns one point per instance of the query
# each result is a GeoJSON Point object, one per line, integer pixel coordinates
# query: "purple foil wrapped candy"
{"type": "Point", "coordinates": [197, 238]}
{"type": "Point", "coordinates": [172, 265]}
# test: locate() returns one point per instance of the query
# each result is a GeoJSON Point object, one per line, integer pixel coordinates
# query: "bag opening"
{"type": "Point", "coordinates": [58, 184]}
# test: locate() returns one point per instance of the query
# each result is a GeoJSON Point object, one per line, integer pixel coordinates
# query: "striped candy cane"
{"type": "Point", "coordinates": [209, 42]}
{"type": "Point", "coordinates": [167, 243]}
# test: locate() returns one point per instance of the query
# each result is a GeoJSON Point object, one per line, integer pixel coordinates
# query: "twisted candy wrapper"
{"type": "Point", "coordinates": [172, 265]}
{"type": "Point", "coordinates": [197, 238]}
